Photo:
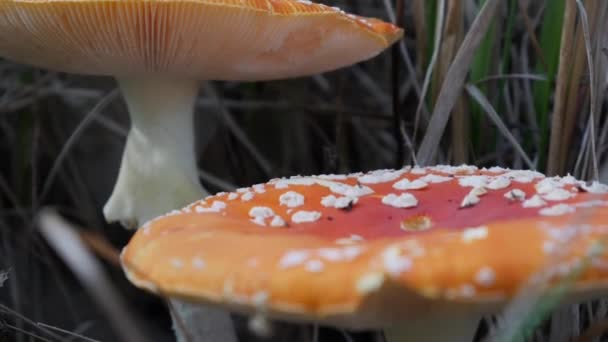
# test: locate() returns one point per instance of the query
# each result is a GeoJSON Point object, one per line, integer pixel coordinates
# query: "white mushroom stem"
{"type": "Point", "coordinates": [158, 174]}
{"type": "Point", "coordinates": [439, 329]}
{"type": "Point", "coordinates": [158, 170]}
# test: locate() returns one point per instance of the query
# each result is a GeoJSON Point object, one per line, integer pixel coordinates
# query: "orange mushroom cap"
{"type": "Point", "coordinates": [198, 39]}
{"type": "Point", "coordinates": [367, 250]}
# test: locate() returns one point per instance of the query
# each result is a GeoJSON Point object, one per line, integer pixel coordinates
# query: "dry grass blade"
{"type": "Point", "coordinates": [555, 158]}
{"type": "Point", "coordinates": [593, 95]}
{"type": "Point", "coordinates": [478, 96]}
{"type": "Point", "coordinates": [429, 71]}
{"type": "Point", "coordinates": [452, 38]}
{"type": "Point", "coordinates": [62, 237]}
{"type": "Point", "coordinates": [454, 81]}
{"type": "Point", "coordinates": [420, 28]}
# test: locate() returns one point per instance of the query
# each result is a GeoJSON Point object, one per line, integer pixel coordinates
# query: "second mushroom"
{"type": "Point", "coordinates": [405, 250]}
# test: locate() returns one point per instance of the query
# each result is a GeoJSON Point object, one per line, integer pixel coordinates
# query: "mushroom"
{"type": "Point", "coordinates": [158, 50]}
{"type": "Point", "coordinates": [357, 251]}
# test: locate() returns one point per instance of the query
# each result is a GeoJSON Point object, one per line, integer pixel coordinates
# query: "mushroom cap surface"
{"type": "Point", "coordinates": [369, 250]}
{"type": "Point", "coordinates": [197, 39]}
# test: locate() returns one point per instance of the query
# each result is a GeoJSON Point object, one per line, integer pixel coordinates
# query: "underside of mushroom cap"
{"type": "Point", "coordinates": [368, 250]}
{"type": "Point", "coordinates": [196, 39]}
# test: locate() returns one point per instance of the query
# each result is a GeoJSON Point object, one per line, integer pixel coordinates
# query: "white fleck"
{"type": "Point", "coordinates": [177, 263]}
{"type": "Point", "coordinates": [380, 176]}
{"type": "Point", "coordinates": [470, 200]}
{"type": "Point", "coordinates": [247, 196]}
{"type": "Point", "coordinates": [400, 201]}
{"type": "Point", "coordinates": [253, 262]}
{"type": "Point", "coordinates": [595, 188]}
{"type": "Point", "coordinates": [432, 178]}
{"type": "Point", "coordinates": [557, 210]}
{"type": "Point", "coordinates": [523, 176]}
{"type": "Point", "coordinates": [350, 240]}
{"type": "Point", "coordinates": [198, 263]}
{"type": "Point", "coordinates": [333, 177]}
{"type": "Point", "coordinates": [515, 195]}
{"type": "Point", "coordinates": [534, 202]}
{"type": "Point", "coordinates": [260, 214]}
{"type": "Point", "coordinates": [292, 199]}
{"type": "Point", "coordinates": [470, 235]}
{"type": "Point", "coordinates": [331, 254]}
{"type": "Point", "coordinates": [418, 170]}
{"type": "Point", "coordinates": [277, 221]}
{"type": "Point", "coordinates": [350, 191]}
{"type": "Point", "coordinates": [394, 262]}
{"type": "Point", "coordinates": [281, 184]}
{"type": "Point", "coordinates": [216, 207]}
{"type": "Point", "coordinates": [569, 180]}
{"type": "Point", "coordinates": [294, 258]}
{"type": "Point", "coordinates": [547, 185]}
{"type": "Point", "coordinates": [454, 170]}
{"type": "Point", "coordinates": [303, 216]}
{"type": "Point", "coordinates": [147, 228]}
{"type": "Point", "coordinates": [315, 266]}
{"type": "Point", "coordinates": [232, 196]}
{"type": "Point", "coordinates": [340, 254]}
{"type": "Point", "coordinates": [406, 184]}
{"type": "Point", "coordinates": [242, 190]}
{"type": "Point", "coordinates": [259, 220]}
{"type": "Point", "coordinates": [467, 290]}
{"type": "Point", "coordinates": [259, 188]}
{"type": "Point", "coordinates": [473, 181]}
{"type": "Point", "coordinates": [370, 283]}
{"type": "Point", "coordinates": [558, 194]}
{"type": "Point", "coordinates": [497, 169]}
{"type": "Point", "coordinates": [479, 191]}
{"type": "Point", "coordinates": [499, 183]}
{"type": "Point", "coordinates": [485, 276]}
{"type": "Point", "coordinates": [351, 252]}
{"type": "Point", "coordinates": [342, 202]}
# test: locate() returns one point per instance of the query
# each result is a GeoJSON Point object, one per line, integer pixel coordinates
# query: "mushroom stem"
{"type": "Point", "coordinates": [158, 174]}
{"type": "Point", "coordinates": [158, 169]}
{"type": "Point", "coordinates": [458, 328]}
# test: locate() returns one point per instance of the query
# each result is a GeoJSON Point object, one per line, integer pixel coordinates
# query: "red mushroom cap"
{"type": "Point", "coordinates": [367, 250]}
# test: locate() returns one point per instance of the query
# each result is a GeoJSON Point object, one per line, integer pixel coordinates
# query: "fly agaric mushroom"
{"type": "Point", "coordinates": [405, 250]}
{"type": "Point", "coordinates": [159, 49]}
